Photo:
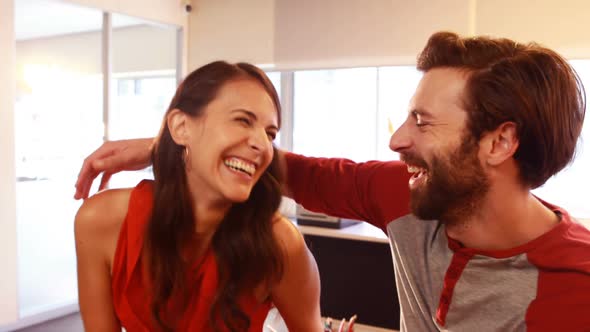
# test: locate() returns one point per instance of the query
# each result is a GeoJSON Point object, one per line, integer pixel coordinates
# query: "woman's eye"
{"type": "Point", "coordinates": [271, 135]}
{"type": "Point", "coordinates": [245, 121]}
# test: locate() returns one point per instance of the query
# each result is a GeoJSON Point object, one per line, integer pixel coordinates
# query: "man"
{"type": "Point", "coordinates": [490, 120]}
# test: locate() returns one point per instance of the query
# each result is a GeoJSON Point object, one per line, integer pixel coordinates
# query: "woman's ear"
{"type": "Point", "coordinates": [177, 122]}
{"type": "Point", "coordinates": [503, 143]}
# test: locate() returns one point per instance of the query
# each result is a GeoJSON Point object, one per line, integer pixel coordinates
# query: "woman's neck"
{"type": "Point", "coordinates": [208, 216]}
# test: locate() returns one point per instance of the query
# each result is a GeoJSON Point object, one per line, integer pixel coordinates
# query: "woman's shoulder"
{"type": "Point", "coordinates": [107, 209]}
{"type": "Point", "coordinates": [104, 208]}
{"type": "Point", "coordinates": [287, 235]}
{"type": "Point", "coordinates": [99, 219]}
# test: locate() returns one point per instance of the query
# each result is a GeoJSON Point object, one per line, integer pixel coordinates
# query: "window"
{"type": "Point", "coordinates": [569, 188]}
{"type": "Point", "coordinates": [137, 111]}
{"type": "Point", "coordinates": [275, 78]}
{"type": "Point", "coordinates": [396, 88]}
{"type": "Point", "coordinates": [335, 112]}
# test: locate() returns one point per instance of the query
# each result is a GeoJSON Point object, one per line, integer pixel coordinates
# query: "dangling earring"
{"type": "Point", "coordinates": [187, 158]}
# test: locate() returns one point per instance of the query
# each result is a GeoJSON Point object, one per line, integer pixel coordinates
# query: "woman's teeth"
{"type": "Point", "coordinates": [240, 165]}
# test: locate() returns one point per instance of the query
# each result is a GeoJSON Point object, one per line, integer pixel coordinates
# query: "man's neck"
{"type": "Point", "coordinates": [506, 219]}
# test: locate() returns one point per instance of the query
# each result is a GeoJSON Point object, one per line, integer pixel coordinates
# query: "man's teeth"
{"type": "Point", "coordinates": [240, 165]}
{"type": "Point", "coordinates": [415, 169]}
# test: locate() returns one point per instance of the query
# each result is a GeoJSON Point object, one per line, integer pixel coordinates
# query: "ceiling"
{"type": "Point", "coordinates": [46, 18]}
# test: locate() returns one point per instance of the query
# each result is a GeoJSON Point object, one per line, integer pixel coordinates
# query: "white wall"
{"type": "Point", "coordinates": [562, 25]}
{"type": "Point", "coordinates": [327, 33]}
{"type": "Point", "coordinates": [337, 33]}
{"type": "Point", "coordinates": [347, 33]}
{"type": "Point", "coordinates": [232, 30]}
{"type": "Point", "coordinates": [8, 286]}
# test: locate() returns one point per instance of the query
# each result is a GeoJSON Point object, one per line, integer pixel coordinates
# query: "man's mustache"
{"type": "Point", "coordinates": [412, 159]}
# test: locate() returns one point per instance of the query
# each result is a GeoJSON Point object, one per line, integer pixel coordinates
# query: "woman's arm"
{"type": "Point", "coordinates": [96, 233]}
{"type": "Point", "coordinates": [297, 294]}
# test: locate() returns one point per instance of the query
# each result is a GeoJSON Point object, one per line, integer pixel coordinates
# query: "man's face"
{"type": "Point", "coordinates": [448, 181]}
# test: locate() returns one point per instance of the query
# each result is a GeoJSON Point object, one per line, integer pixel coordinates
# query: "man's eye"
{"type": "Point", "coordinates": [271, 135]}
{"type": "Point", "coordinates": [419, 122]}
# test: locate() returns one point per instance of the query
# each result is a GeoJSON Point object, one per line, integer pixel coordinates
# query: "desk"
{"type": "Point", "coordinates": [356, 273]}
{"type": "Point", "coordinates": [362, 231]}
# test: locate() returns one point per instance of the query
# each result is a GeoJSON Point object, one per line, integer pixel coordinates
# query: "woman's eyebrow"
{"type": "Point", "coordinates": [254, 117]}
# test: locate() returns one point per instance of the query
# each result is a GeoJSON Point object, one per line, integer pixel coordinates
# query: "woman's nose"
{"type": "Point", "coordinates": [258, 140]}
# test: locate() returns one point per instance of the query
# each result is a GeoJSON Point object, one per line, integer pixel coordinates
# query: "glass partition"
{"type": "Point", "coordinates": [58, 120]}
{"type": "Point", "coordinates": [142, 85]}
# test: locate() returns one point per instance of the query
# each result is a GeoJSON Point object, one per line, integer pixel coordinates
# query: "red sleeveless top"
{"type": "Point", "coordinates": [132, 293]}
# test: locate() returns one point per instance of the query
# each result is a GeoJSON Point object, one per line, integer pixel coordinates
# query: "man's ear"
{"type": "Point", "coordinates": [500, 144]}
{"type": "Point", "coordinates": [177, 122]}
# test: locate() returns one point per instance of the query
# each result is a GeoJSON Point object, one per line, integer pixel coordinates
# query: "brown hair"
{"type": "Point", "coordinates": [530, 85]}
{"type": "Point", "coordinates": [245, 249]}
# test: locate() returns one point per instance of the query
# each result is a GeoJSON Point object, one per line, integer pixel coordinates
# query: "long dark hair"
{"type": "Point", "coordinates": [245, 249]}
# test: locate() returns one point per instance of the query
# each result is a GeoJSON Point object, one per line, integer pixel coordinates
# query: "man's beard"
{"type": "Point", "coordinates": [454, 188]}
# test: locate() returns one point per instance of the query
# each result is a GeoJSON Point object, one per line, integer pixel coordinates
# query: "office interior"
{"type": "Point", "coordinates": [76, 72]}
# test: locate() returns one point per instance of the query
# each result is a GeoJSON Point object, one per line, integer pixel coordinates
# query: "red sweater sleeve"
{"type": "Point", "coordinates": [374, 191]}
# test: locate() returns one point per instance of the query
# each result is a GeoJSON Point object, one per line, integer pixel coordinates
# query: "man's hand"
{"type": "Point", "coordinates": [110, 158]}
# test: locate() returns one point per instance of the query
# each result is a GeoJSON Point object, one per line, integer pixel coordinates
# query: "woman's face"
{"type": "Point", "coordinates": [230, 145]}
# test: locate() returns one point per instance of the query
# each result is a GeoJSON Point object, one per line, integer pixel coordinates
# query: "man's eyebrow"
{"type": "Point", "coordinates": [253, 116]}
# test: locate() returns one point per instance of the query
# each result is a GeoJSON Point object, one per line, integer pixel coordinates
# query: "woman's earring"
{"type": "Point", "coordinates": [187, 158]}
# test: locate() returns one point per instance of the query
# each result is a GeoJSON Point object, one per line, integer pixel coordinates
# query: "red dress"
{"type": "Point", "coordinates": [131, 291]}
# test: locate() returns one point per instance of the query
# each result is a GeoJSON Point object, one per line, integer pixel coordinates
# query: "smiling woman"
{"type": "Point", "coordinates": [230, 146]}
{"type": "Point", "coordinates": [200, 248]}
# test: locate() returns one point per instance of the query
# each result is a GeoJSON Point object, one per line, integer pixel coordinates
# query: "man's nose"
{"type": "Point", "coordinates": [400, 139]}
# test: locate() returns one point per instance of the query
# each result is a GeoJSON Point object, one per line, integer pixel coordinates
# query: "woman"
{"type": "Point", "coordinates": [200, 248]}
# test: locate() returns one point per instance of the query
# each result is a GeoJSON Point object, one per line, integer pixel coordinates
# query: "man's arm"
{"type": "Point", "coordinates": [110, 158]}
{"type": "Point", "coordinates": [376, 192]}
